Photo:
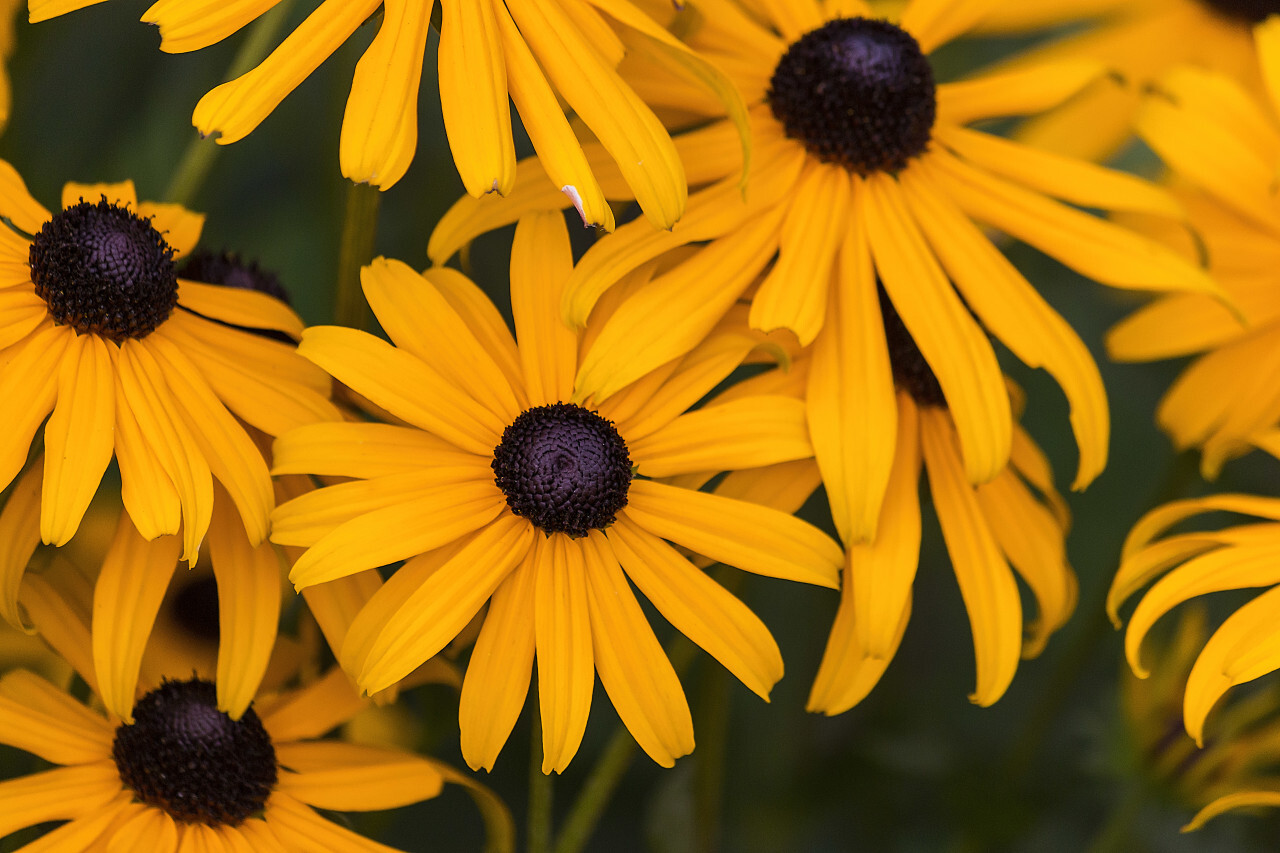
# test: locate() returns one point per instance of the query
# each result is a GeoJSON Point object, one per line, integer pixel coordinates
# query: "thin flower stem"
{"type": "Point", "coordinates": [359, 229]}
{"type": "Point", "coordinates": [540, 793]}
{"type": "Point", "coordinates": [1117, 833]}
{"type": "Point", "coordinates": [193, 168]}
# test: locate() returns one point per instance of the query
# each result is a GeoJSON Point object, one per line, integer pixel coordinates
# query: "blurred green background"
{"type": "Point", "coordinates": [915, 767]}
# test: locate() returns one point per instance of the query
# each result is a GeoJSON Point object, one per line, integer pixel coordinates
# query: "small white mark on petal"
{"type": "Point", "coordinates": [494, 188]}
{"type": "Point", "coordinates": [572, 192]}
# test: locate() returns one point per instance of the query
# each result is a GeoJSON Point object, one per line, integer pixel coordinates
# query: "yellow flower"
{"type": "Point", "coordinates": [1247, 645]}
{"type": "Point", "coordinates": [1140, 40]}
{"type": "Point", "coordinates": [492, 54]}
{"type": "Point", "coordinates": [509, 487]}
{"type": "Point", "coordinates": [1223, 146]}
{"type": "Point", "coordinates": [865, 170]}
{"type": "Point", "coordinates": [99, 335]}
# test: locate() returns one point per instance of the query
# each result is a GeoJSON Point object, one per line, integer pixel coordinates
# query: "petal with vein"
{"type": "Point", "coordinates": [541, 261]}
{"type": "Point", "coordinates": [562, 636]}
{"type": "Point", "coordinates": [473, 97]}
{"type": "Point", "coordinates": [353, 777]}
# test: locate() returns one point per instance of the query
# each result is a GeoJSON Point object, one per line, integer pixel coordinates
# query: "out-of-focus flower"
{"type": "Point", "coordinates": [513, 488]}
{"type": "Point", "coordinates": [864, 170]}
{"type": "Point", "coordinates": [1139, 40]}
{"type": "Point", "coordinates": [125, 360]}
{"type": "Point", "coordinates": [533, 53]}
{"type": "Point", "coordinates": [1222, 146]}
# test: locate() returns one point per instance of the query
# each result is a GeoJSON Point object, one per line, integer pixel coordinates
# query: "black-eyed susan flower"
{"type": "Point", "coordinates": [1011, 526]}
{"type": "Point", "coordinates": [863, 166]}
{"type": "Point", "coordinates": [1140, 41]}
{"type": "Point", "coordinates": [1222, 146]}
{"type": "Point", "coordinates": [1187, 565]}
{"type": "Point", "coordinates": [513, 488]}
{"type": "Point", "coordinates": [545, 57]}
{"type": "Point", "coordinates": [179, 773]}
{"type": "Point", "coordinates": [100, 336]}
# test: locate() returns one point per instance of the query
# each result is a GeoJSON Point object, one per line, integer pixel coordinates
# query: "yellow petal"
{"type": "Point", "coordinates": [79, 436]}
{"type": "Point", "coordinates": [239, 307]}
{"type": "Point", "coordinates": [123, 193]}
{"type": "Point", "coordinates": [300, 828]}
{"type": "Point", "coordinates": [436, 611]}
{"type": "Point", "coordinates": [497, 680]}
{"type": "Point", "coordinates": [541, 260]}
{"type": "Point", "coordinates": [315, 709]}
{"type": "Point", "coordinates": [363, 450]}
{"type": "Point", "coordinates": [353, 777]}
{"type": "Point", "coordinates": [29, 385]}
{"type": "Point", "coordinates": [748, 433]}
{"type": "Point", "coordinates": [16, 202]}
{"type": "Point", "coordinates": [1239, 800]}
{"type": "Point", "coordinates": [955, 348]}
{"type": "Point", "coordinates": [933, 23]}
{"type": "Point", "coordinates": [63, 793]}
{"type": "Point", "coordinates": [44, 720]}
{"type": "Point", "coordinates": [986, 583]}
{"type": "Point", "coordinates": [473, 97]}
{"type": "Point", "coordinates": [852, 413]}
{"type": "Point", "coordinates": [135, 575]}
{"type": "Point", "coordinates": [380, 126]}
{"type": "Point", "coordinates": [1016, 314]}
{"type": "Point", "coordinates": [566, 665]}
{"type": "Point", "coordinates": [234, 109]}
{"type": "Point", "coordinates": [19, 536]}
{"type": "Point", "coordinates": [1018, 92]}
{"type": "Point", "coordinates": [698, 607]}
{"type": "Point", "coordinates": [186, 26]}
{"type": "Point", "coordinates": [634, 669]}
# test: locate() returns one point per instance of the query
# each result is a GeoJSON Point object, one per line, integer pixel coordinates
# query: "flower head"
{"type": "Point", "coordinates": [128, 360]}
{"type": "Point", "coordinates": [509, 486]}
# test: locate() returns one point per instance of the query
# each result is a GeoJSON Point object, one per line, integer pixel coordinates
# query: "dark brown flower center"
{"type": "Point", "coordinates": [102, 269]}
{"type": "Point", "coordinates": [856, 92]}
{"type": "Point", "coordinates": [1247, 11]}
{"type": "Point", "coordinates": [181, 754]}
{"type": "Point", "coordinates": [564, 468]}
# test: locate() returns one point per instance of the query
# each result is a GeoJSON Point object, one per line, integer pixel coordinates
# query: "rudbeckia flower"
{"type": "Point", "coordinates": [1222, 145]}
{"type": "Point", "coordinates": [126, 360]}
{"type": "Point", "coordinates": [1140, 41]}
{"type": "Point", "coordinates": [513, 488]}
{"type": "Point", "coordinates": [1187, 565]}
{"type": "Point", "coordinates": [863, 166]}
{"type": "Point", "coordinates": [177, 772]}
{"type": "Point", "coordinates": [492, 54]}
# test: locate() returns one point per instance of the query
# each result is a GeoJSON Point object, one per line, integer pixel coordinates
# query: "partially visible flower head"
{"type": "Point", "coordinates": [865, 179]}
{"type": "Point", "coordinates": [492, 54]}
{"type": "Point", "coordinates": [1225, 402]}
{"type": "Point", "coordinates": [507, 485]}
{"type": "Point", "coordinates": [129, 361]}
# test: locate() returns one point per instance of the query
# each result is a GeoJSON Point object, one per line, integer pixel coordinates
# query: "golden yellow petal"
{"type": "Point", "coordinates": [562, 635]}
{"type": "Point", "coordinates": [19, 536]}
{"type": "Point", "coordinates": [42, 719]}
{"type": "Point", "coordinates": [473, 97]}
{"type": "Point", "coordinates": [186, 26]}
{"type": "Point", "coordinates": [541, 261]}
{"type": "Point", "coordinates": [353, 777]}
{"type": "Point", "coordinates": [63, 793]}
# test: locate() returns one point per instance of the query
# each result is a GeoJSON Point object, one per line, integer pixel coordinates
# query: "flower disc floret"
{"type": "Point", "coordinates": [856, 92]}
{"type": "Point", "coordinates": [181, 754]}
{"type": "Point", "coordinates": [102, 269]}
{"type": "Point", "coordinates": [564, 468]}
{"type": "Point", "coordinates": [1250, 11]}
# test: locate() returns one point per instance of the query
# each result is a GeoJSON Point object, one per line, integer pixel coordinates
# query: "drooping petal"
{"type": "Point", "coordinates": [852, 413]}
{"type": "Point", "coordinates": [473, 97]}
{"type": "Point", "coordinates": [498, 673]}
{"type": "Point", "coordinates": [1016, 314]}
{"type": "Point", "coordinates": [698, 607]}
{"type": "Point", "coordinates": [186, 26]}
{"type": "Point", "coordinates": [131, 586]}
{"type": "Point", "coordinates": [1239, 800]}
{"type": "Point", "coordinates": [29, 387]}
{"type": "Point", "coordinates": [79, 435]}
{"type": "Point", "coordinates": [234, 109]}
{"type": "Point", "coordinates": [248, 580]}
{"type": "Point", "coordinates": [380, 126]}
{"type": "Point", "coordinates": [566, 664]}
{"type": "Point", "coordinates": [634, 669]}
{"type": "Point", "coordinates": [19, 536]}
{"type": "Point", "coordinates": [955, 348]}
{"type": "Point", "coordinates": [986, 583]}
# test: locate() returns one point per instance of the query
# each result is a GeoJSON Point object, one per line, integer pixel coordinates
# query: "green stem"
{"type": "Point", "coordinates": [540, 792]}
{"type": "Point", "coordinates": [596, 792]}
{"type": "Point", "coordinates": [359, 229]}
{"type": "Point", "coordinates": [708, 765]}
{"type": "Point", "coordinates": [193, 168]}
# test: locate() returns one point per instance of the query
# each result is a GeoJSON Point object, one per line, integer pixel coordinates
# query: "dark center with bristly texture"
{"type": "Point", "coordinates": [103, 269]}
{"type": "Point", "coordinates": [229, 270]}
{"type": "Point", "coordinates": [911, 372]}
{"type": "Point", "coordinates": [181, 754]}
{"type": "Point", "coordinates": [195, 609]}
{"type": "Point", "coordinates": [564, 468]}
{"type": "Point", "coordinates": [856, 92]}
{"type": "Point", "coordinates": [1247, 11]}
